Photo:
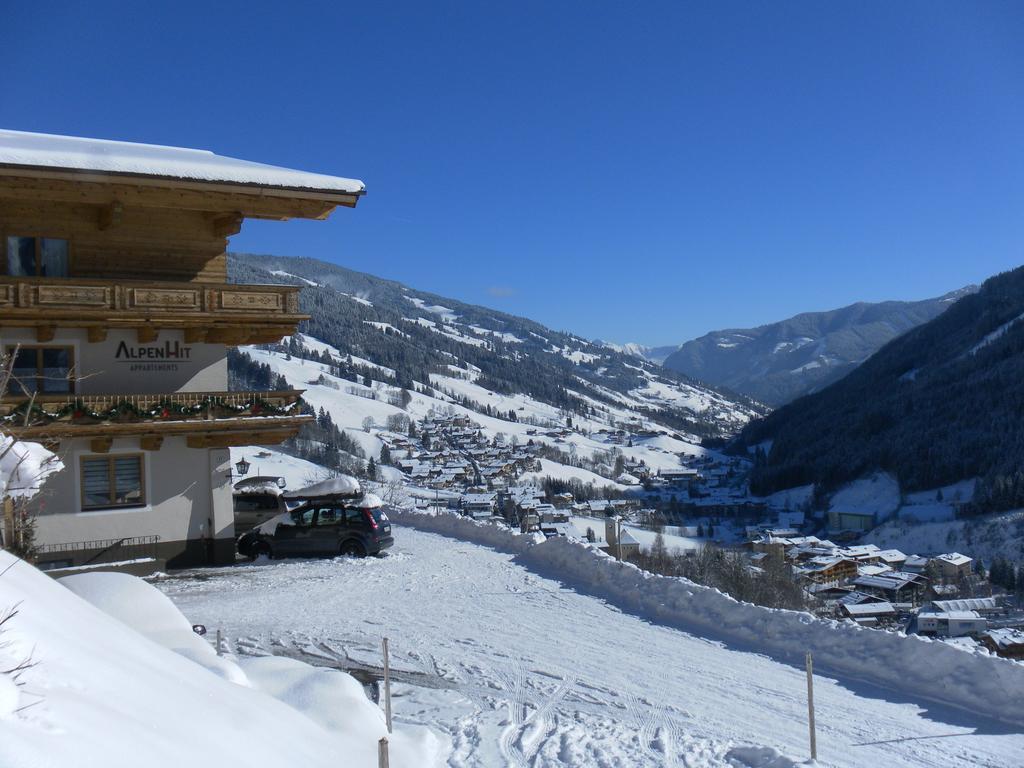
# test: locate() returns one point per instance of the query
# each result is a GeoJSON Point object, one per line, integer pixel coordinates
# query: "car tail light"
{"type": "Point", "coordinates": [369, 516]}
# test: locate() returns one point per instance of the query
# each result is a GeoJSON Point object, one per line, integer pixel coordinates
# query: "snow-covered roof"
{"type": "Point", "coordinates": [893, 580]}
{"type": "Point", "coordinates": [53, 152]}
{"type": "Point", "coordinates": [954, 558]}
{"type": "Point", "coordinates": [1006, 637]}
{"type": "Point", "coordinates": [625, 537]}
{"type": "Point", "coordinates": [869, 609]}
{"type": "Point", "coordinates": [966, 604]}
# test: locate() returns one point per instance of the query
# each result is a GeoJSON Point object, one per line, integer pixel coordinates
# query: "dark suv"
{"type": "Point", "coordinates": [321, 529]}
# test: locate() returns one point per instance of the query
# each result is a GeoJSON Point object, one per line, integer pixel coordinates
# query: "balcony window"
{"type": "Point", "coordinates": [41, 370]}
{"type": "Point", "coordinates": [37, 256]}
{"type": "Point", "coordinates": [112, 481]}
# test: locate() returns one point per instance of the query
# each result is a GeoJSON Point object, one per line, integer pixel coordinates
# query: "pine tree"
{"type": "Point", "coordinates": [371, 469]}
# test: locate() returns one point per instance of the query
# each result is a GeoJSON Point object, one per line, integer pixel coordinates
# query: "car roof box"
{"type": "Point", "coordinates": [342, 486]}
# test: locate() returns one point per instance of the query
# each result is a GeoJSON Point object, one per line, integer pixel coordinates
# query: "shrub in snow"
{"type": "Point", "coordinates": [24, 467]}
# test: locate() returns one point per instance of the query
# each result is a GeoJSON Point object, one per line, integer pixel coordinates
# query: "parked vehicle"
{"type": "Point", "coordinates": [331, 518]}
{"type": "Point", "coordinates": [256, 500]}
{"type": "Point", "coordinates": [322, 529]}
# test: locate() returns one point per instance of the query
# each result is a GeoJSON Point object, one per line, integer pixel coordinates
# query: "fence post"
{"type": "Point", "coordinates": [382, 752]}
{"type": "Point", "coordinates": [810, 706]}
{"type": "Point", "coordinates": [387, 686]}
{"type": "Point", "coordinates": [8, 533]}
{"type": "Point", "coordinates": [220, 650]}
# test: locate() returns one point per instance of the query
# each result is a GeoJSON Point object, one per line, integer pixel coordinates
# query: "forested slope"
{"type": "Point", "coordinates": [942, 403]}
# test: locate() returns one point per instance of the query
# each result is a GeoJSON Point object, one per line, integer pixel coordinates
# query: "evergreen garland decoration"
{"type": "Point", "coordinates": [124, 411]}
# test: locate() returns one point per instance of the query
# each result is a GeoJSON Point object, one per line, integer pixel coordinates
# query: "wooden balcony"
{"type": "Point", "coordinates": [216, 313]}
{"type": "Point", "coordinates": [205, 419]}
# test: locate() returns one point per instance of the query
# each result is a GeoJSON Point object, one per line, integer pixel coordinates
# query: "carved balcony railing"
{"type": "Point", "coordinates": [210, 312]}
{"type": "Point", "coordinates": [208, 419]}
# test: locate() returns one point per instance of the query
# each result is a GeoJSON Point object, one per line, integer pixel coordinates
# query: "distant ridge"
{"type": "Point", "coordinates": [779, 362]}
{"type": "Point", "coordinates": [940, 404]}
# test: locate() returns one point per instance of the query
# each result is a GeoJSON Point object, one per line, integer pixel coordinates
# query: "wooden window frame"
{"type": "Point", "coordinates": [110, 458]}
{"type": "Point", "coordinates": [38, 237]}
{"type": "Point", "coordinates": [10, 349]}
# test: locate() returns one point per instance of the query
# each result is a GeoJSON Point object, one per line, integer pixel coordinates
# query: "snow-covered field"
{"type": "Point", "coordinates": [520, 665]}
{"type": "Point", "coordinates": [115, 677]}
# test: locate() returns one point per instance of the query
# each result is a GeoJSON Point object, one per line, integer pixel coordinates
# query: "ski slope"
{"type": "Point", "coordinates": [521, 669]}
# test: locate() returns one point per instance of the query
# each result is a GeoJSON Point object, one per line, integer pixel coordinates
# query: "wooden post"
{"type": "Point", "coordinates": [8, 531]}
{"type": "Point", "coordinates": [382, 753]}
{"type": "Point", "coordinates": [220, 650]}
{"type": "Point", "coordinates": [387, 687]}
{"type": "Point", "coordinates": [810, 706]}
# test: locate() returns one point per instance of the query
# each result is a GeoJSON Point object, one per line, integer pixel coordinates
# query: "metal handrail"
{"type": "Point", "coordinates": [81, 546]}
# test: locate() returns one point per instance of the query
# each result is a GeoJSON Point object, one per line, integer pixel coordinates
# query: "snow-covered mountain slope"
{"type": "Point", "coordinates": [655, 355]}
{"type": "Point", "coordinates": [417, 337]}
{"type": "Point", "coordinates": [778, 362]}
{"type": "Point", "coordinates": [350, 404]}
{"type": "Point", "coordinates": [531, 654]}
{"type": "Point", "coordinates": [939, 405]}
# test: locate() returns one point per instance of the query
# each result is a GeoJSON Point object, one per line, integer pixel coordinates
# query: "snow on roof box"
{"type": "Point", "coordinates": [370, 501]}
{"type": "Point", "coordinates": [73, 153]}
{"type": "Point", "coordinates": [342, 485]}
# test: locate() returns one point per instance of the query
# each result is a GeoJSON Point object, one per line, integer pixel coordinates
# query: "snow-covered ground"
{"type": "Point", "coordinates": [116, 678]}
{"type": "Point", "coordinates": [522, 664]}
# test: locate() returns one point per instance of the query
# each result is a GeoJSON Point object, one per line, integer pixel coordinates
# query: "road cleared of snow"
{"type": "Point", "coordinates": [527, 670]}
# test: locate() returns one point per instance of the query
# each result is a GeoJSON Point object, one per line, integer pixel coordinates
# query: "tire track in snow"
{"type": "Point", "coordinates": [656, 726]}
{"type": "Point", "coordinates": [540, 718]}
{"type": "Point", "coordinates": [515, 685]}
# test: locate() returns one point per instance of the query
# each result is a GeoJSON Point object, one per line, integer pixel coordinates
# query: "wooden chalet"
{"type": "Point", "coordinates": [116, 309]}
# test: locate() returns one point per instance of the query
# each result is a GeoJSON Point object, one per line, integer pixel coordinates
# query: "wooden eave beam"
{"type": "Point", "coordinates": [227, 225]}
{"type": "Point", "coordinates": [243, 330]}
{"type": "Point", "coordinates": [100, 444]}
{"type": "Point", "coordinates": [106, 189]}
{"type": "Point", "coordinates": [247, 425]}
{"type": "Point", "coordinates": [232, 439]}
{"type": "Point", "coordinates": [151, 442]}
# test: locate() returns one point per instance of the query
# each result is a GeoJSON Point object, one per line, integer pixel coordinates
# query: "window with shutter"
{"type": "Point", "coordinates": [112, 481]}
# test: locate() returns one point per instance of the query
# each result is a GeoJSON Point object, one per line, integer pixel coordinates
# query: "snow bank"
{"type": "Point", "coordinates": [152, 614]}
{"type": "Point", "coordinates": [458, 527]}
{"type": "Point", "coordinates": [337, 702]}
{"type": "Point", "coordinates": [914, 666]}
{"type": "Point", "coordinates": [103, 693]}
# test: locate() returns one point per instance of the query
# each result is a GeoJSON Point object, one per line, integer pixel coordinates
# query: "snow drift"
{"type": "Point", "coordinates": [913, 665]}
{"type": "Point", "coordinates": [103, 693]}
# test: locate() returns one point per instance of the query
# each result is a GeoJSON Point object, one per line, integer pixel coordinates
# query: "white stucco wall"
{"type": "Point", "coordinates": [122, 364]}
{"type": "Point", "coordinates": [188, 496]}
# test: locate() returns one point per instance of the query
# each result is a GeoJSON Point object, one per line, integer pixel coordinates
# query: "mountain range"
{"type": "Point", "coordinates": [778, 362]}
{"type": "Point", "coordinates": [418, 337]}
{"type": "Point", "coordinates": [939, 404]}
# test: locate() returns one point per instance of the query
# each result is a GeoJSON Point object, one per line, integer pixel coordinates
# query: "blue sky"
{"type": "Point", "coordinates": [631, 171]}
